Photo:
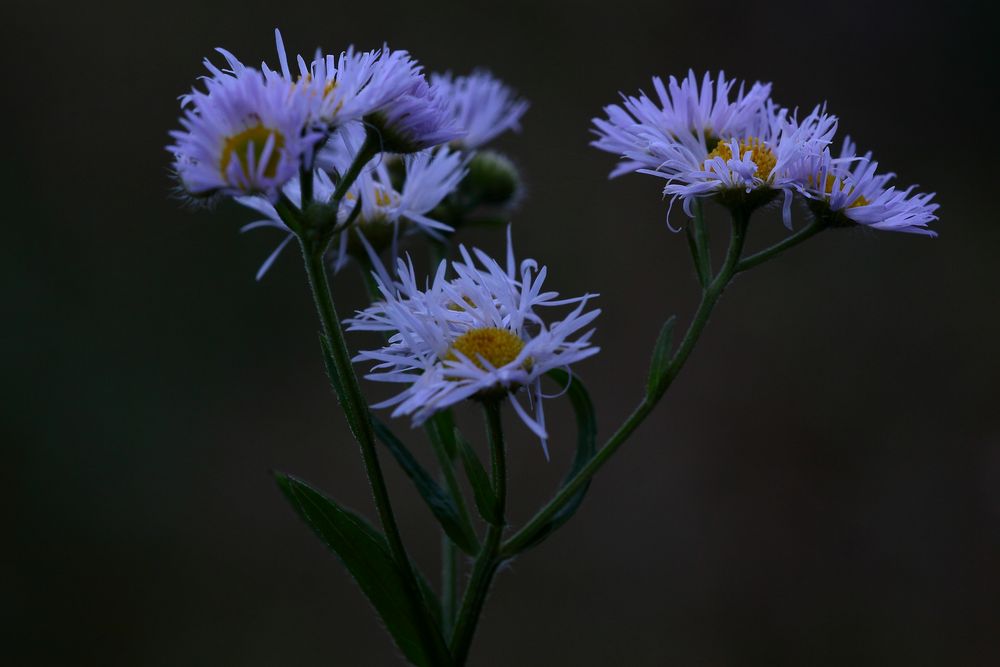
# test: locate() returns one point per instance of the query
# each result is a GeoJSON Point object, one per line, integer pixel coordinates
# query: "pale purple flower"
{"type": "Point", "coordinates": [479, 333]}
{"type": "Point", "coordinates": [413, 122]}
{"type": "Point", "coordinates": [243, 134]}
{"type": "Point", "coordinates": [642, 131]}
{"type": "Point", "coordinates": [482, 105]}
{"type": "Point", "coordinates": [849, 190]}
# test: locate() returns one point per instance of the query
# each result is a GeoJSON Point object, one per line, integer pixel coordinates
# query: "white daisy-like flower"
{"type": "Point", "coordinates": [348, 87]}
{"type": "Point", "coordinates": [849, 190]}
{"type": "Point", "coordinates": [478, 335]}
{"type": "Point", "coordinates": [480, 104]}
{"type": "Point", "coordinates": [694, 117]}
{"type": "Point", "coordinates": [244, 134]}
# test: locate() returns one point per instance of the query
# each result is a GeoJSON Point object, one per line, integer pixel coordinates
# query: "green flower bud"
{"type": "Point", "coordinates": [493, 180]}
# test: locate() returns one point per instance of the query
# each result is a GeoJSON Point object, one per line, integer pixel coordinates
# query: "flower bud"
{"type": "Point", "coordinates": [493, 180]}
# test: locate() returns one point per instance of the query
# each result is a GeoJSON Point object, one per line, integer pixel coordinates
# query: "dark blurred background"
{"type": "Point", "coordinates": [820, 487]}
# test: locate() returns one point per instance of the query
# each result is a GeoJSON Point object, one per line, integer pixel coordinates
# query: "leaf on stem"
{"type": "Point", "coordinates": [365, 553]}
{"type": "Point", "coordinates": [441, 429]}
{"type": "Point", "coordinates": [439, 502]}
{"type": "Point", "coordinates": [660, 363]}
{"type": "Point", "coordinates": [482, 489]}
{"type": "Point", "coordinates": [697, 235]}
{"type": "Point", "coordinates": [586, 446]}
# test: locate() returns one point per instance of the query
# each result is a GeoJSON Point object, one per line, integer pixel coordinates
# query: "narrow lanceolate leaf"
{"type": "Point", "coordinates": [482, 490]}
{"type": "Point", "coordinates": [695, 254]}
{"type": "Point", "coordinates": [365, 553]}
{"type": "Point", "coordinates": [441, 429]}
{"type": "Point", "coordinates": [660, 362]}
{"type": "Point", "coordinates": [698, 240]}
{"type": "Point", "coordinates": [439, 502]}
{"type": "Point", "coordinates": [353, 418]}
{"type": "Point", "coordinates": [586, 446]}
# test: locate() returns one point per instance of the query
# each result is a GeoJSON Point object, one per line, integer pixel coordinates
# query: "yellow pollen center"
{"type": "Point", "coordinates": [497, 346]}
{"type": "Point", "coordinates": [761, 155]}
{"type": "Point", "coordinates": [831, 181]}
{"type": "Point", "coordinates": [383, 197]}
{"type": "Point", "coordinates": [258, 136]}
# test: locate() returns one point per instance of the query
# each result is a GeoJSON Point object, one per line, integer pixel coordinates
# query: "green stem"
{"type": "Point", "coordinates": [450, 561]}
{"type": "Point", "coordinates": [306, 184]}
{"type": "Point", "coordinates": [810, 230]}
{"type": "Point", "coordinates": [368, 150]}
{"type": "Point", "coordinates": [449, 584]}
{"type": "Point", "coordinates": [354, 403]}
{"type": "Point", "coordinates": [449, 551]}
{"type": "Point", "coordinates": [710, 297]}
{"type": "Point", "coordinates": [489, 557]}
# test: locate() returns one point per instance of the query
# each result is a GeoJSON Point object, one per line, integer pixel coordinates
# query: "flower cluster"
{"type": "Point", "coordinates": [253, 134]}
{"type": "Point", "coordinates": [478, 334]}
{"type": "Point", "coordinates": [742, 149]}
{"type": "Point", "coordinates": [348, 153]}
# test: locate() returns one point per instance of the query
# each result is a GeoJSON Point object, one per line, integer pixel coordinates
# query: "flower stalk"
{"type": "Point", "coordinates": [710, 296]}
{"type": "Point", "coordinates": [355, 404]}
{"type": "Point", "coordinates": [489, 557]}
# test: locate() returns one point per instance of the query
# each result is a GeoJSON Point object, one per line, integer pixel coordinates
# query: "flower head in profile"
{"type": "Point", "coordinates": [643, 131]}
{"type": "Point", "coordinates": [349, 86]}
{"type": "Point", "coordinates": [480, 104]}
{"type": "Point", "coordinates": [707, 142]}
{"type": "Point", "coordinates": [244, 134]}
{"type": "Point", "coordinates": [477, 335]}
{"type": "Point", "coordinates": [849, 190]}
{"type": "Point", "coordinates": [414, 121]}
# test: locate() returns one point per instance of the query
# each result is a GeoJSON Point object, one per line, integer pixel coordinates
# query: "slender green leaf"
{"type": "Point", "coordinates": [698, 240]}
{"type": "Point", "coordinates": [695, 254]}
{"type": "Point", "coordinates": [482, 490]}
{"type": "Point", "coordinates": [586, 446]}
{"type": "Point", "coordinates": [661, 356]}
{"type": "Point", "coordinates": [365, 553]}
{"type": "Point", "coordinates": [441, 429]}
{"type": "Point", "coordinates": [439, 502]}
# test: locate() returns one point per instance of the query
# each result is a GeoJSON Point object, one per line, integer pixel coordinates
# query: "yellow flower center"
{"type": "Point", "coordinates": [497, 346]}
{"type": "Point", "coordinates": [760, 155]}
{"type": "Point", "coordinates": [239, 145]}
{"type": "Point", "coordinates": [383, 198]}
{"type": "Point", "coordinates": [830, 181]}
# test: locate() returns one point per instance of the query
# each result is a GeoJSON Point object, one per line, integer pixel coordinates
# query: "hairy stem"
{"type": "Point", "coordinates": [354, 403]}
